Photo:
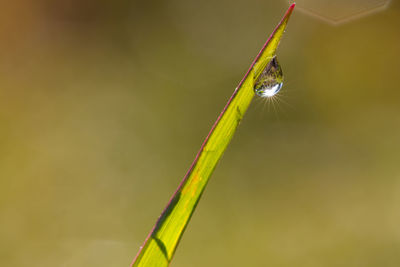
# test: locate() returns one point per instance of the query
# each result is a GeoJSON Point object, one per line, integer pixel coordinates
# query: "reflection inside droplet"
{"type": "Point", "coordinates": [269, 91]}
{"type": "Point", "coordinates": [270, 80]}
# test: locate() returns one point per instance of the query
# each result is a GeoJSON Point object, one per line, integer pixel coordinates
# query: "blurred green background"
{"type": "Point", "coordinates": [104, 104]}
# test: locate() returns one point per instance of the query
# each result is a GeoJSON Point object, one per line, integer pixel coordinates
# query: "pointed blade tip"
{"type": "Point", "coordinates": [289, 11]}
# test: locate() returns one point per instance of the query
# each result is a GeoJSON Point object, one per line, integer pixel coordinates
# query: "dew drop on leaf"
{"type": "Point", "coordinates": [270, 80]}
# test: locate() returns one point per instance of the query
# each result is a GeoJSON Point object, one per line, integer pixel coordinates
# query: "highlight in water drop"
{"type": "Point", "coordinates": [270, 80]}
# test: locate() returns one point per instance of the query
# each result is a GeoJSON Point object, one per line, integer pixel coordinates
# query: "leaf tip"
{"type": "Point", "coordinates": [290, 9]}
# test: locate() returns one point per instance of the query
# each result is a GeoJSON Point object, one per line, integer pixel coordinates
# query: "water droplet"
{"type": "Point", "coordinates": [270, 80]}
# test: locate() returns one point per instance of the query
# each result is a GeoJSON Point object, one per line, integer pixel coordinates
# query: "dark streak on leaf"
{"type": "Point", "coordinates": [162, 247]}
{"type": "Point", "coordinates": [239, 115]}
{"type": "Point", "coordinates": [166, 213]}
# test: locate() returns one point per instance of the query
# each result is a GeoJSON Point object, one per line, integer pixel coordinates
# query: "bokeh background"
{"type": "Point", "coordinates": [104, 104]}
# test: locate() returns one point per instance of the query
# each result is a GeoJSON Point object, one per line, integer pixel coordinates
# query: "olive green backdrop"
{"type": "Point", "coordinates": [104, 104]}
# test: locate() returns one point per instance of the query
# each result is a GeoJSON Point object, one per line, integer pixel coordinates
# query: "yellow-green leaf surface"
{"type": "Point", "coordinates": [162, 241]}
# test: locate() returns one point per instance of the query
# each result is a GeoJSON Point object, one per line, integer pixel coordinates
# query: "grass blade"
{"type": "Point", "coordinates": [162, 241]}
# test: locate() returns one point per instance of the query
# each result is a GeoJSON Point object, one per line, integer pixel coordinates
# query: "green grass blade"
{"type": "Point", "coordinates": [162, 241]}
